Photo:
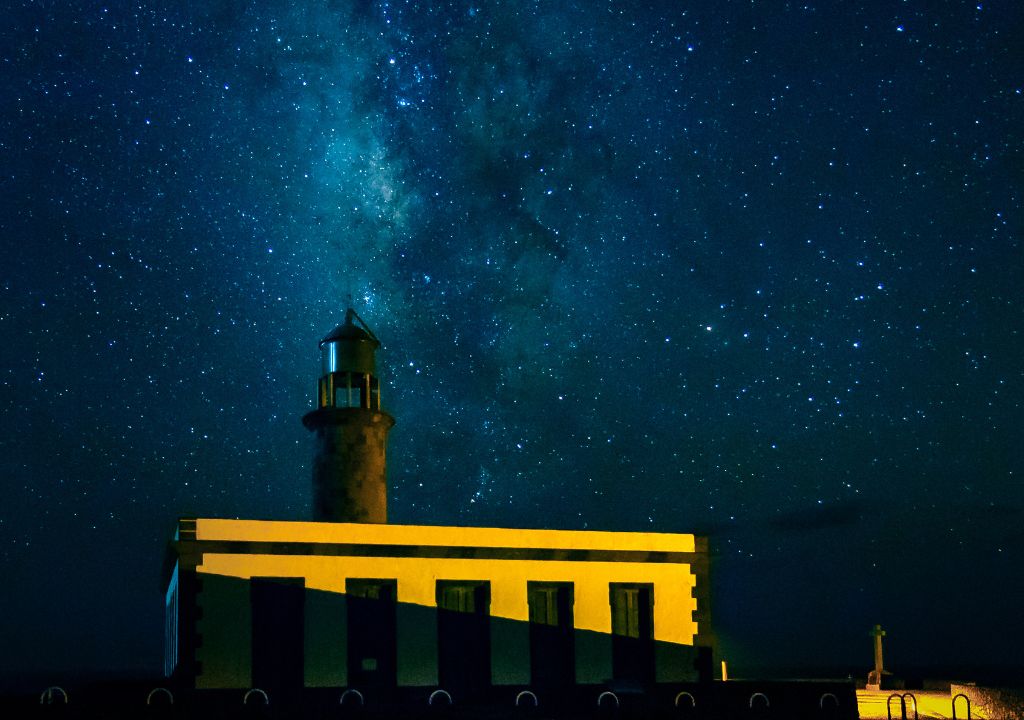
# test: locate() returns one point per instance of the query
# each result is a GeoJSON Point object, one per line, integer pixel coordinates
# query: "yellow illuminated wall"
{"type": "Point", "coordinates": [228, 553]}
{"type": "Point", "coordinates": [439, 536]}
{"type": "Point", "coordinates": [417, 580]}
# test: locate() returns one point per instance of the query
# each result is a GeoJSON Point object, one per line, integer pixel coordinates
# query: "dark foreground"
{"type": "Point", "coordinates": [733, 700]}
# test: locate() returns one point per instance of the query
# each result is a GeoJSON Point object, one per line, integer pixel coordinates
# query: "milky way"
{"type": "Point", "coordinates": [747, 269]}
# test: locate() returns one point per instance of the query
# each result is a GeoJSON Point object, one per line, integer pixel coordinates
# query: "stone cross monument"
{"type": "Point", "coordinates": [875, 676]}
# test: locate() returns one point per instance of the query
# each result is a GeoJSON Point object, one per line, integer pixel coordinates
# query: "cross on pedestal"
{"type": "Point", "coordinates": [878, 633]}
{"type": "Point", "coordinates": [875, 676]}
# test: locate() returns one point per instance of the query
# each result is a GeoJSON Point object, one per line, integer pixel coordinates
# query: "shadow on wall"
{"type": "Point", "coordinates": [275, 634]}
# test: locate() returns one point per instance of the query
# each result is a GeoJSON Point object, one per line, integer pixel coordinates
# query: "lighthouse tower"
{"type": "Point", "coordinates": [349, 468]}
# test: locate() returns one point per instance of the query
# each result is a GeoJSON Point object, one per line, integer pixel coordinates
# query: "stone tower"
{"type": "Point", "coordinates": [349, 468]}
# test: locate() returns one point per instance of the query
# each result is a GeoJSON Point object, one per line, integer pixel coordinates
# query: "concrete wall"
{"type": "Point", "coordinates": [225, 620]}
{"type": "Point", "coordinates": [224, 633]}
{"type": "Point", "coordinates": [217, 558]}
{"type": "Point", "coordinates": [417, 578]}
{"type": "Point", "coordinates": [326, 632]}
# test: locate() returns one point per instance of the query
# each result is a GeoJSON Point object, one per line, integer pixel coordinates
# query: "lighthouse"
{"type": "Point", "coordinates": [352, 608]}
{"type": "Point", "coordinates": [351, 430]}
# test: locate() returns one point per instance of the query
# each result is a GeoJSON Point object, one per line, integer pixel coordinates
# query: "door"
{"type": "Point", "coordinates": [464, 637]}
{"type": "Point", "coordinates": [372, 633]}
{"type": "Point", "coordinates": [632, 607]}
{"type": "Point", "coordinates": [278, 625]}
{"type": "Point", "coordinates": [552, 649]}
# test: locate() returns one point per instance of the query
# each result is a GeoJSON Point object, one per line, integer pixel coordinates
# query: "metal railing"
{"type": "Point", "coordinates": [903, 705]}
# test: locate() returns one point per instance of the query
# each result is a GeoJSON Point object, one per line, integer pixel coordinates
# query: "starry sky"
{"type": "Point", "coordinates": [751, 269]}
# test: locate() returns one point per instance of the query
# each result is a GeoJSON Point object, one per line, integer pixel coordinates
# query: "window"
{"type": "Point", "coordinates": [632, 609]}
{"type": "Point", "coordinates": [171, 600]}
{"type": "Point", "coordinates": [472, 597]}
{"type": "Point", "coordinates": [550, 603]}
{"type": "Point", "coordinates": [371, 589]}
{"type": "Point", "coordinates": [348, 396]}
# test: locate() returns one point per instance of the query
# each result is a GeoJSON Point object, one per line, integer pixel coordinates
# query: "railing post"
{"type": "Point", "coordinates": [903, 706]}
{"type": "Point", "coordinates": [351, 693]}
{"type": "Point", "coordinates": [527, 694]}
{"type": "Point", "coordinates": [911, 696]}
{"type": "Point", "coordinates": [163, 690]}
{"type": "Point", "coordinates": [967, 700]}
{"type": "Point", "coordinates": [47, 697]}
{"type": "Point", "coordinates": [256, 691]}
{"type": "Point", "coordinates": [437, 695]}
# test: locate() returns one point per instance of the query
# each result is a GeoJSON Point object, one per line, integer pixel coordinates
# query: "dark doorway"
{"type": "Point", "coordinates": [372, 633]}
{"type": "Point", "coordinates": [552, 650]}
{"type": "Point", "coordinates": [632, 607]}
{"type": "Point", "coordinates": [464, 637]}
{"type": "Point", "coordinates": [278, 625]}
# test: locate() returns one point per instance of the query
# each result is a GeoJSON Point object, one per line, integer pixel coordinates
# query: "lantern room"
{"type": "Point", "coordinates": [348, 376]}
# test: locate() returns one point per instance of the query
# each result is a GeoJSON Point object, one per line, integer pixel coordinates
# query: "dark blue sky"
{"type": "Point", "coordinates": [752, 269]}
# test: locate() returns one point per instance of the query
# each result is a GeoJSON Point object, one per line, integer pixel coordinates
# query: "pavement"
{"type": "Point", "coordinates": [930, 704]}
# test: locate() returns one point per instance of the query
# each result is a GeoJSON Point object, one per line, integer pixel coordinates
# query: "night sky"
{"type": "Point", "coordinates": [752, 269]}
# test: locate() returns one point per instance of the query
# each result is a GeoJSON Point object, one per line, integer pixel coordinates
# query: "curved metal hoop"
{"type": "Point", "coordinates": [439, 693]}
{"type": "Point", "coordinates": [911, 696]}
{"type": "Point", "coordinates": [821, 701]}
{"type": "Point", "coordinates": [608, 693]}
{"type": "Point", "coordinates": [968, 701]}
{"type": "Point", "coordinates": [154, 691]}
{"type": "Point", "coordinates": [46, 698]}
{"type": "Point", "coordinates": [266, 698]}
{"type": "Point", "coordinates": [903, 705]}
{"type": "Point", "coordinates": [767, 703]}
{"type": "Point", "coordinates": [354, 693]}
{"type": "Point", "coordinates": [680, 696]}
{"type": "Point", "coordinates": [527, 694]}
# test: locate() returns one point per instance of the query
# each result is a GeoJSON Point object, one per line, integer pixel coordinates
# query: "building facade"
{"type": "Point", "coordinates": [348, 601]}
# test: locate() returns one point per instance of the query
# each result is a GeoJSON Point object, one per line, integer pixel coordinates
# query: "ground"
{"type": "Point", "coordinates": [930, 704]}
